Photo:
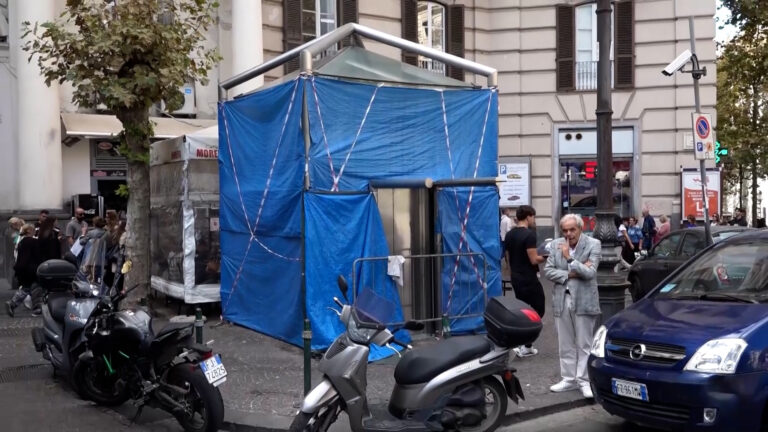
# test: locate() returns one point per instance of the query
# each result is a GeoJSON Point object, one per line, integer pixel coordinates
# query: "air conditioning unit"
{"type": "Point", "coordinates": [188, 90]}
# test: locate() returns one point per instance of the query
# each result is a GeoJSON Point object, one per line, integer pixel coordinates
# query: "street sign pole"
{"type": "Point", "coordinates": [697, 74]}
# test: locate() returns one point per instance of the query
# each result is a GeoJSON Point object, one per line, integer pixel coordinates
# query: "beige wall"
{"type": "Point", "coordinates": [517, 37]}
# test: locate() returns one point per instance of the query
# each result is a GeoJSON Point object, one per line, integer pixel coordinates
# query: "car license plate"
{"type": "Point", "coordinates": [630, 389]}
{"type": "Point", "coordinates": [214, 370]}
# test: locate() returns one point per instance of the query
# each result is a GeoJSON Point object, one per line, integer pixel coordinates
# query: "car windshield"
{"type": "Point", "coordinates": [737, 271]}
{"type": "Point", "coordinates": [373, 308]}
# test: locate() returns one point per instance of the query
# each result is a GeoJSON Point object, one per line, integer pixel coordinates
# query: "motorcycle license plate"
{"type": "Point", "coordinates": [214, 370]}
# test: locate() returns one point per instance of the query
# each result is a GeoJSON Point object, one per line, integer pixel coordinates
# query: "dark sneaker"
{"type": "Point", "coordinates": [37, 312]}
{"type": "Point", "coordinates": [9, 308]}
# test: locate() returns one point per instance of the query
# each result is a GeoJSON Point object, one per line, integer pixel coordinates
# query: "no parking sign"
{"type": "Point", "coordinates": [703, 142]}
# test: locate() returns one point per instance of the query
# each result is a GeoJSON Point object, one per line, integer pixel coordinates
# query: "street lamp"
{"type": "Point", "coordinates": [610, 285]}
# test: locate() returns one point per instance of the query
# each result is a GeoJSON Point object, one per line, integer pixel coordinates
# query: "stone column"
{"type": "Point", "coordinates": [38, 120]}
{"type": "Point", "coordinates": [247, 42]}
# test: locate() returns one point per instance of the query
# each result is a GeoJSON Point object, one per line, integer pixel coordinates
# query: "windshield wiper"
{"type": "Point", "coordinates": [716, 297]}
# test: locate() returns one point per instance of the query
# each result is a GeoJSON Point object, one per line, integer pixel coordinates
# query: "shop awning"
{"type": "Point", "coordinates": [108, 126]}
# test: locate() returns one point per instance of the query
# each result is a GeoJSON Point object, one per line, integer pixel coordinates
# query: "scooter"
{"type": "Point", "coordinates": [68, 304]}
{"type": "Point", "coordinates": [449, 386]}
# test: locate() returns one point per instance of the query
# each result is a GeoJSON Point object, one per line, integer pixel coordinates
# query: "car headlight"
{"type": "Point", "coordinates": [720, 356]}
{"type": "Point", "coordinates": [598, 343]}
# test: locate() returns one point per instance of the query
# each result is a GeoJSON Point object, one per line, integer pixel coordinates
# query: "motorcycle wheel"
{"type": "Point", "coordinates": [204, 406]}
{"type": "Point", "coordinates": [495, 406]}
{"type": "Point", "coordinates": [316, 422]}
{"type": "Point", "coordinates": [93, 381]}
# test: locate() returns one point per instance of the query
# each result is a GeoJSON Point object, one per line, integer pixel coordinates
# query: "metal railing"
{"type": "Point", "coordinates": [475, 260]}
{"type": "Point", "coordinates": [586, 75]}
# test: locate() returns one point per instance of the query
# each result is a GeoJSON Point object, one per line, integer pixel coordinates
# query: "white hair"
{"type": "Point", "coordinates": [574, 217]}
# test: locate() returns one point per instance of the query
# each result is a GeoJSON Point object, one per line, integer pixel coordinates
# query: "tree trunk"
{"type": "Point", "coordinates": [754, 193]}
{"type": "Point", "coordinates": [741, 186]}
{"type": "Point", "coordinates": [136, 145]}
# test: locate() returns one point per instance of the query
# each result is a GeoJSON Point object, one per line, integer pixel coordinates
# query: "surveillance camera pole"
{"type": "Point", "coordinates": [697, 72]}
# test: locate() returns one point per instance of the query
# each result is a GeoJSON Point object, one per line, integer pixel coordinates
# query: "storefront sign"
{"type": "Point", "coordinates": [515, 188]}
{"type": "Point", "coordinates": [704, 144]}
{"type": "Point", "coordinates": [108, 173]}
{"type": "Point", "coordinates": [692, 202]}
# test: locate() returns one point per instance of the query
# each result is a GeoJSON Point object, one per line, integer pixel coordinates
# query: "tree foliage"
{"type": "Point", "coordinates": [127, 55]}
{"type": "Point", "coordinates": [742, 99]}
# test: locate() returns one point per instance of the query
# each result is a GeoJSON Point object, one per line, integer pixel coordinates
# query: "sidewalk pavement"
{"type": "Point", "coordinates": [265, 378]}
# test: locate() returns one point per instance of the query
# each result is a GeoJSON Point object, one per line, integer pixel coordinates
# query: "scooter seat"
{"type": "Point", "coordinates": [57, 305]}
{"type": "Point", "coordinates": [421, 365]}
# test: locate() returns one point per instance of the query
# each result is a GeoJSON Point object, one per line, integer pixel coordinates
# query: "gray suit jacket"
{"type": "Point", "coordinates": [583, 288]}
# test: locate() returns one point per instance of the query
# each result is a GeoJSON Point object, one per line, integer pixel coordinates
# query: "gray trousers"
{"type": "Point", "coordinates": [35, 291]}
{"type": "Point", "coordinates": [574, 336]}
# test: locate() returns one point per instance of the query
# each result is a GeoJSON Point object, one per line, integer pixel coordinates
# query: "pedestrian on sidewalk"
{"type": "Point", "coordinates": [49, 239]}
{"type": "Point", "coordinates": [635, 235]}
{"type": "Point", "coordinates": [649, 229]}
{"type": "Point", "coordinates": [663, 230]}
{"type": "Point", "coordinates": [627, 247]}
{"type": "Point", "coordinates": [520, 246]}
{"type": "Point", "coordinates": [572, 266]}
{"type": "Point", "coordinates": [76, 227]}
{"type": "Point", "coordinates": [26, 270]}
{"type": "Point", "coordinates": [15, 224]}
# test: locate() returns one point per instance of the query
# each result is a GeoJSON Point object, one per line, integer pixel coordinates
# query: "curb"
{"type": "Point", "coordinates": [508, 420]}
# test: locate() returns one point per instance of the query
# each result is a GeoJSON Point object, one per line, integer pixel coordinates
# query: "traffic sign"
{"type": "Point", "coordinates": [704, 146]}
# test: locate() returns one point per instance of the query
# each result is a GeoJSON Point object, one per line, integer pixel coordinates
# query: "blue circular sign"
{"type": "Point", "coordinates": [702, 127]}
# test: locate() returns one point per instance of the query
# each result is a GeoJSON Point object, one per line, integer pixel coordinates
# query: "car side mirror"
{"type": "Point", "coordinates": [343, 287]}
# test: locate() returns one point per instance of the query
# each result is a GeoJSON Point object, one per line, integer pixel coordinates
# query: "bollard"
{"type": "Point", "coordinates": [307, 336]}
{"type": "Point", "coordinates": [198, 325]}
{"type": "Point", "coordinates": [446, 327]}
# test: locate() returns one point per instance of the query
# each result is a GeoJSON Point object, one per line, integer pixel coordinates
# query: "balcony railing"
{"type": "Point", "coordinates": [586, 75]}
{"type": "Point", "coordinates": [432, 65]}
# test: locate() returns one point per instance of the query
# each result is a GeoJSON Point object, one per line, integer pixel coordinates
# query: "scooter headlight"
{"type": "Point", "coordinates": [361, 335]}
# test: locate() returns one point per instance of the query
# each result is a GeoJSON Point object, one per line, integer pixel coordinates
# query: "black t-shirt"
{"type": "Point", "coordinates": [516, 243]}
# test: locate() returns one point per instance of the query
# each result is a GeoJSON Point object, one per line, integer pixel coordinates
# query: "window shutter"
{"type": "Point", "coordinates": [566, 48]}
{"type": "Point", "coordinates": [624, 45]}
{"type": "Point", "coordinates": [455, 39]}
{"type": "Point", "coordinates": [410, 18]}
{"type": "Point", "coordinates": [347, 12]}
{"type": "Point", "coordinates": [291, 31]}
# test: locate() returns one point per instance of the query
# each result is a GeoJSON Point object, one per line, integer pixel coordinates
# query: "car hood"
{"type": "Point", "coordinates": [688, 323]}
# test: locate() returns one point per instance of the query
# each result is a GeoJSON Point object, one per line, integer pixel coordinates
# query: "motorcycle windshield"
{"type": "Point", "coordinates": [373, 308]}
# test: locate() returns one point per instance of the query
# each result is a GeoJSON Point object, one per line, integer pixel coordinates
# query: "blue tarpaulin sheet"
{"type": "Point", "coordinates": [462, 277]}
{"type": "Point", "coordinates": [359, 132]}
{"type": "Point", "coordinates": [403, 135]}
{"type": "Point", "coordinates": [340, 229]}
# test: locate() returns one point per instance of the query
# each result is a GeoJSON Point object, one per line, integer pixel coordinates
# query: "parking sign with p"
{"type": "Point", "coordinates": [702, 135]}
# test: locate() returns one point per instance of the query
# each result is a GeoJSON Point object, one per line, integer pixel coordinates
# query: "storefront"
{"type": "Point", "coordinates": [94, 169]}
{"type": "Point", "coordinates": [577, 166]}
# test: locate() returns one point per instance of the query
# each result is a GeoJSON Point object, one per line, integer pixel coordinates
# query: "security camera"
{"type": "Point", "coordinates": [677, 63]}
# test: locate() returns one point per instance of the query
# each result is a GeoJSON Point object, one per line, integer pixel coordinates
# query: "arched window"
{"type": "Point", "coordinates": [431, 28]}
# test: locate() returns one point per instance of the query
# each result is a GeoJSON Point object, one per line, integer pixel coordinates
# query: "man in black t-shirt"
{"type": "Point", "coordinates": [524, 260]}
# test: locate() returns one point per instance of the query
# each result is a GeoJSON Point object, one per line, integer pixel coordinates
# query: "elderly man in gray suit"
{"type": "Point", "coordinates": [572, 266]}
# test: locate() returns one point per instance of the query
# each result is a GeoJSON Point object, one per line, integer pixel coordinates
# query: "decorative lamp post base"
{"type": "Point", "coordinates": [611, 286]}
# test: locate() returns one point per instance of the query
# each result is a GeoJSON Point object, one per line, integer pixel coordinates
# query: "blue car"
{"type": "Point", "coordinates": [693, 354]}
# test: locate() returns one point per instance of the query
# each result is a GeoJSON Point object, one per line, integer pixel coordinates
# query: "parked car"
{"type": "Point", "coordinates": [672, 251]}
{"type": "Point", "coordinates": [693, 354]}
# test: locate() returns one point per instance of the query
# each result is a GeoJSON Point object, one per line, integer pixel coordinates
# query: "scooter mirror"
{"type": "Point", "coordinates": [414, 325]}
{"type": "Point", "coordinates": [343, 287]}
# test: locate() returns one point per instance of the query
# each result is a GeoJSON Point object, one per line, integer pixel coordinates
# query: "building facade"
{"type": "Point", "coordinates": [545, 52]}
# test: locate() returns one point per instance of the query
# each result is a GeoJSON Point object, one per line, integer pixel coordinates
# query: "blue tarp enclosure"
{"type": "Point", "coordinates": [358, 132]}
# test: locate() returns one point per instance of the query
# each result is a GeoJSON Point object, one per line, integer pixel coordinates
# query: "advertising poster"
{"type": "Point", "coordinates": [514, 191]}
{"type": "Point", "coordinates": [692, 202]}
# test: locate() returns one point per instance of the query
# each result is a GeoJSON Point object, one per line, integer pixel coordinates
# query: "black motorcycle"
{"type": "Point", "coordinates": [126, 360]}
